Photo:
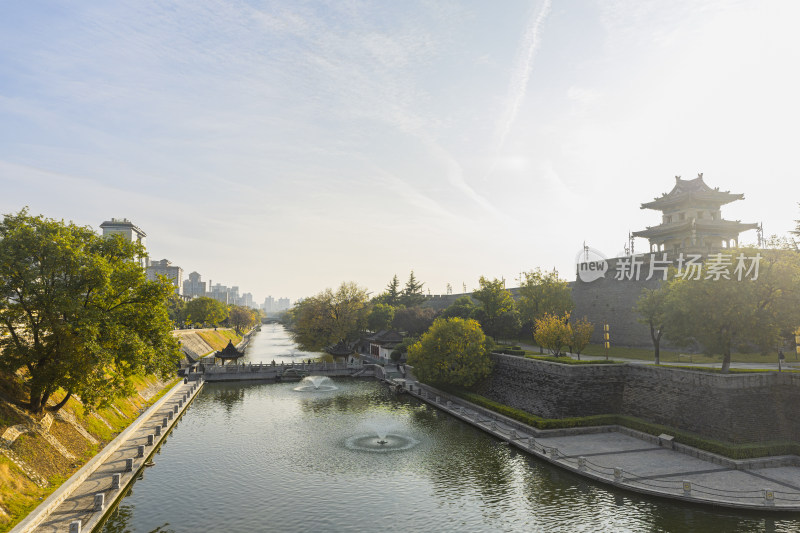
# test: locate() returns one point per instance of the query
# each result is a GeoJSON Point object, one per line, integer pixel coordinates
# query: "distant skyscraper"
{"type": "Point", "coordinates": [284, 304]}
{"type": "Point", "coordinates": [269, 304]}
{"type": "Point", "coordinates": [165, 268]}
{"type": "Point", "coordinates": [246, 300]}
{"type": "Point", "coordinates": [193, 287]}
{"type": "Point", "coordinates": [219, 292]}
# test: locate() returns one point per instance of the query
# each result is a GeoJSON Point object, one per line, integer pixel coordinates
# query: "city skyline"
{"type": "Point", "coordinates": [290, 146]}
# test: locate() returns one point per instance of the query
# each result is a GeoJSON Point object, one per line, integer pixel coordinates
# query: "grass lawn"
{"type": "Point", "coordinates": [668, 356]}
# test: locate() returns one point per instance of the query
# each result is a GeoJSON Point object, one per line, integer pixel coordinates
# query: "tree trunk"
{"type": "Point", "coordinates": [35, 403]}
{"type": "Point", "coordinates": [60, 404]}
{"type": "Point", "coordinates": [656, 338]}
{"type": "Point", "coordinates": [726, 362]}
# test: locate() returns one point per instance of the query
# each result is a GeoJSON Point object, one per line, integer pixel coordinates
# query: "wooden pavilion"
{"type": "Point", "coordinates": [229, 353]}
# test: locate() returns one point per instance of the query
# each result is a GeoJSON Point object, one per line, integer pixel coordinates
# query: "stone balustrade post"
{"type": "Point", "coordinates": [150, 440]}
{"type": "Point", "coordinates": [129, 465]}
{"type": "Point", "coordinates": [158, 431]}
{"type": "Point", "coordinates": [75, 526]}
{"type": "Point", "coordinates": [99, 502]}
{"type": "Point", "coordinates": [140, 450]}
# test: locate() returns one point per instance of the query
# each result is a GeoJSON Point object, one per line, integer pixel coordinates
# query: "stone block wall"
{"type": "Point", "coordinates": [738, 408]}
{"type": "Point", "coordinates": [554, 390]}
{"type": "Point", "coordinates": [611, 301]}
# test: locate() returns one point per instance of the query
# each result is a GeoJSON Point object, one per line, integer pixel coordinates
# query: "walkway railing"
{"type": "Point", "coordinates": [682, 488]}
{"type": "Point", "coordinates": [279, 367]}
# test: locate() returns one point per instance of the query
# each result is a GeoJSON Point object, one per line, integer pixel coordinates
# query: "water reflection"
{"type": "Point", "coordinates": [282, 459]}
{"type": "Point", "coordinates": [229, 396]}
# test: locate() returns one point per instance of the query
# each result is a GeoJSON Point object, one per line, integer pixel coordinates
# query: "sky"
{"type": "Point", "coordinates": [287, 146]}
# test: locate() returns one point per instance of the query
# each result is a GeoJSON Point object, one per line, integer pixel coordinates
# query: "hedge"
{"type": "Point", "coordinates": [733, 451]}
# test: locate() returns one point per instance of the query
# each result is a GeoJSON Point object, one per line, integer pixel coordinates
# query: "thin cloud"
{"type": "Point", "coordinates": [521, 74]}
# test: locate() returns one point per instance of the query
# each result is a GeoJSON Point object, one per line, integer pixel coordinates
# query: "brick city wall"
{"type": "Point", "coordinates": [611, 301]}
{"type": "Point", "coordinates": [737, 408]}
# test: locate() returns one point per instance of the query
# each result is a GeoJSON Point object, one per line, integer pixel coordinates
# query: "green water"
{"type": "Point", "coordinates": [266, 457]}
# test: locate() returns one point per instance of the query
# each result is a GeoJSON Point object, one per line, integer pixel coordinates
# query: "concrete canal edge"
{"type": "Point", "coordinates": [52, 502]}
{"type": "Point", "coordinates": [524, 437]}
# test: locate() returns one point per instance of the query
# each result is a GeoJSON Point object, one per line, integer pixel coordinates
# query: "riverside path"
{"type": "Point", "coordinates": [80, 504]}
{"type": "Point", "coordinates": [638, 462]}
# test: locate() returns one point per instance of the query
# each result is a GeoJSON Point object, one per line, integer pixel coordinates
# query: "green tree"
{"type": "Point", "coordinates": [495, 302]}
{"type": "Point", "coordinates": [553, 332]}
{"type": "Point", "coordinates": [413, 320]}
{"type": "Point", "coordinates": [380, 317]}
{"type": "Point", "coordinates": [726, 314]}
{"type": "Point", "coordinates": [412, 292]}
{"type": "Point", "coordinates": [330, 317]}
{"type": "Point", "coordinates": [461, 308]}
{"type": "Point", "coordinates": [205, 310]}
{"type": "Point", "coordinates": [77, 312]}
{"type": "Point", "coordinates": [580, 333]}
{"type": "Point", "coordinates": [241, 318]}
{"type": "Point", "coordinates": [393, 292]}
{"type": "Point", "coordinates": [651, 308]}
{"type": "Point", "coordinates": [452, 352]}
{"type": "Point", "coordinates": [402, 348]}
{"type": "Point", "coordinates": [543, 292]}
{"type": "Point", "coordinates": [176, 308]}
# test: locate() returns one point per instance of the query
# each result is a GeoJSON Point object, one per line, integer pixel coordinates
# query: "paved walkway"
{"type": "Point", "coordinates": [75, 499]}
{"type": "Point", "coordinates": [642, 463]}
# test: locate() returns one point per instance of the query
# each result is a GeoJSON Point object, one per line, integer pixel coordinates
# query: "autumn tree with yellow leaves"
{"type": "Point", "coordinates": [454, 352]}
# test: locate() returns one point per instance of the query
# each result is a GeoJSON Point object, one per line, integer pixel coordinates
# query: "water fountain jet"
{"type": "Point", "coordinates": [316, 384]}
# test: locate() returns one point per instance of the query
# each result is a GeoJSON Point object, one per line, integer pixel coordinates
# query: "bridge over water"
{"type": "Point", "coordinates": [278, 371]}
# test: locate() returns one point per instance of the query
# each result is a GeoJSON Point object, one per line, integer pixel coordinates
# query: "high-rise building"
{"type": "Point", "coordinates": [219, 292]}
{"type": "Point", "coordinates": [193, 287]}
{"type": "Point", "coordinates": [165, 268]}
{"type": "Point", "coordinates": [246, 300]}
{"type": "Point", "coordinates": [124, 227]}
{"type": "Point", "coordinates": [284, 304]}
{"type": "Point", "coordinates": [269, 304]}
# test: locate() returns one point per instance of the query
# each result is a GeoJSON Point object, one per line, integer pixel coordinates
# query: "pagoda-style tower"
{"type": "Point", "coordinates": [691, 219]}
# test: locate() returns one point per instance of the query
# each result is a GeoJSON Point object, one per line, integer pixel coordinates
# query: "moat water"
{"type": "Point", "coordinates": [252, 457]}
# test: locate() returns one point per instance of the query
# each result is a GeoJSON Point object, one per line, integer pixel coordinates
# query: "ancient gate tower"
{"type": "Point", "coordinates": [691, 220]}
{"type": "Point", "coordinates": [691, 223]}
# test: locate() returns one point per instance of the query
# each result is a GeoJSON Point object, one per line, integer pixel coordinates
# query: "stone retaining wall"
{"type": "Point", "coordinates": [738, 408]}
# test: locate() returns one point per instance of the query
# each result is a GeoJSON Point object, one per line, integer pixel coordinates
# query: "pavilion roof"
{"type": "Point", "coordinates": [341, 348]}
{"type": "Point", "coordinates": [691, 192]}
{"type": "Point", "coordinates": [386, 336]}
{"type": "Point", "coordinates": [229, 352]}
{"type": "Point", "coordinates": [703, 226]}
